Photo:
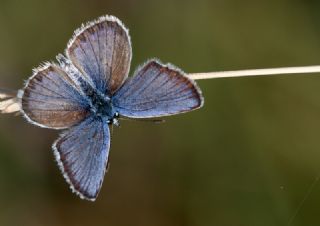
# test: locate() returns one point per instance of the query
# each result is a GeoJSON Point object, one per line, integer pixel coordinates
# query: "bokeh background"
{"type": "Point", "coordinates": [251, 156]}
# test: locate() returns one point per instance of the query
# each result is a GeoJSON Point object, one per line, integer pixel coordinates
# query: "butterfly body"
{"type": "Point", "coordinates": [89, 90]}
{"type": "Point", "coordinates": [101, 105]}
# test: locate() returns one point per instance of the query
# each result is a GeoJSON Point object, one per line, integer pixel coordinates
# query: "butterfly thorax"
{"type": "Point", "coordinates": [101, 106]}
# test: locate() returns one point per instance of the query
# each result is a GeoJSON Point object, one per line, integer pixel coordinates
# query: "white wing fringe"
{"type": "Point", "coordinates": [9, 102]}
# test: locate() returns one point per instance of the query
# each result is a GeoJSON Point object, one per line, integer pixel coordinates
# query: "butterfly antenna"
{"type": "Point", "coordinates": [156, 121]}
{"type": "Point", "coordinates": [9, 101]}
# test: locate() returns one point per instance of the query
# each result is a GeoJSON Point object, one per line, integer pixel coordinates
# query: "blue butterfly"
{"type": "Point", "coordinates": [88, 91]}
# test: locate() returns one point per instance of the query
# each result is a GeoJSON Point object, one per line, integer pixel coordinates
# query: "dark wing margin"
{"type": "Point", "coordinates": [51, 99]}
{"type": "Point", "coordinates": [101, 51]}
{"type": "Point", "coordinates": [157, 90]}
{"type": "Point", "coordinates": [82, 155]}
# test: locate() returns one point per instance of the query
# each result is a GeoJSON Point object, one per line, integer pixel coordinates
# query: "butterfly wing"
{"type": "Point", "coordinates": [82, 154]}
{"type": "Point", "coordinates": [157, 90]}
{"type": "Point", "coordinates": [52, 99]}
{"type": "Point", "coordinates": [101, 51]}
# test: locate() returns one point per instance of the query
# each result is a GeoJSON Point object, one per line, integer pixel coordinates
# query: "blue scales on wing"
{"type": "Point", "coordinates": [82, 154]}
{"type": "Point", "coordinates": [101, 51]}
{"type": "Point", "coordinates": [52, 99]}
{"type": "Point", "coordinates": [157, 90]}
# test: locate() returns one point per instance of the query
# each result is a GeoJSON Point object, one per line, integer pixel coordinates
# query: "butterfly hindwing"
{"type": "Point", "coordinates": [157, 90]}
{"type": "Point", "coordinates": [51, 99]}
{"type": "Point", "coordinates": [82, 154]}
{"type": "Point", "coordinates": [101, 51]}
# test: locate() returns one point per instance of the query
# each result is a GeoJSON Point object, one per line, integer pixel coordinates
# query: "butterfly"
{"type": "Point", "coordinates": [88, 91]}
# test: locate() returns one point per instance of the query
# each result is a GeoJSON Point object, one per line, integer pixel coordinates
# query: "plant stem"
{"type": "Point", "coordinates": [255, 72]}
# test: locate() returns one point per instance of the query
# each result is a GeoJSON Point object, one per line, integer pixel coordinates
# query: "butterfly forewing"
{"type": "Point", "coordinates": [157, 90]}
{"type": "Point", "coordinates": [101, 50]}
{"type": "Point", "coordinates": [51, 99]}
{"type": "Point", "coordinates": [82, 154]}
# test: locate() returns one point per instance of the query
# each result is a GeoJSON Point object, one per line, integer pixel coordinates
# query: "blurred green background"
{"type": "Point", "coordinates": [248, 157]}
